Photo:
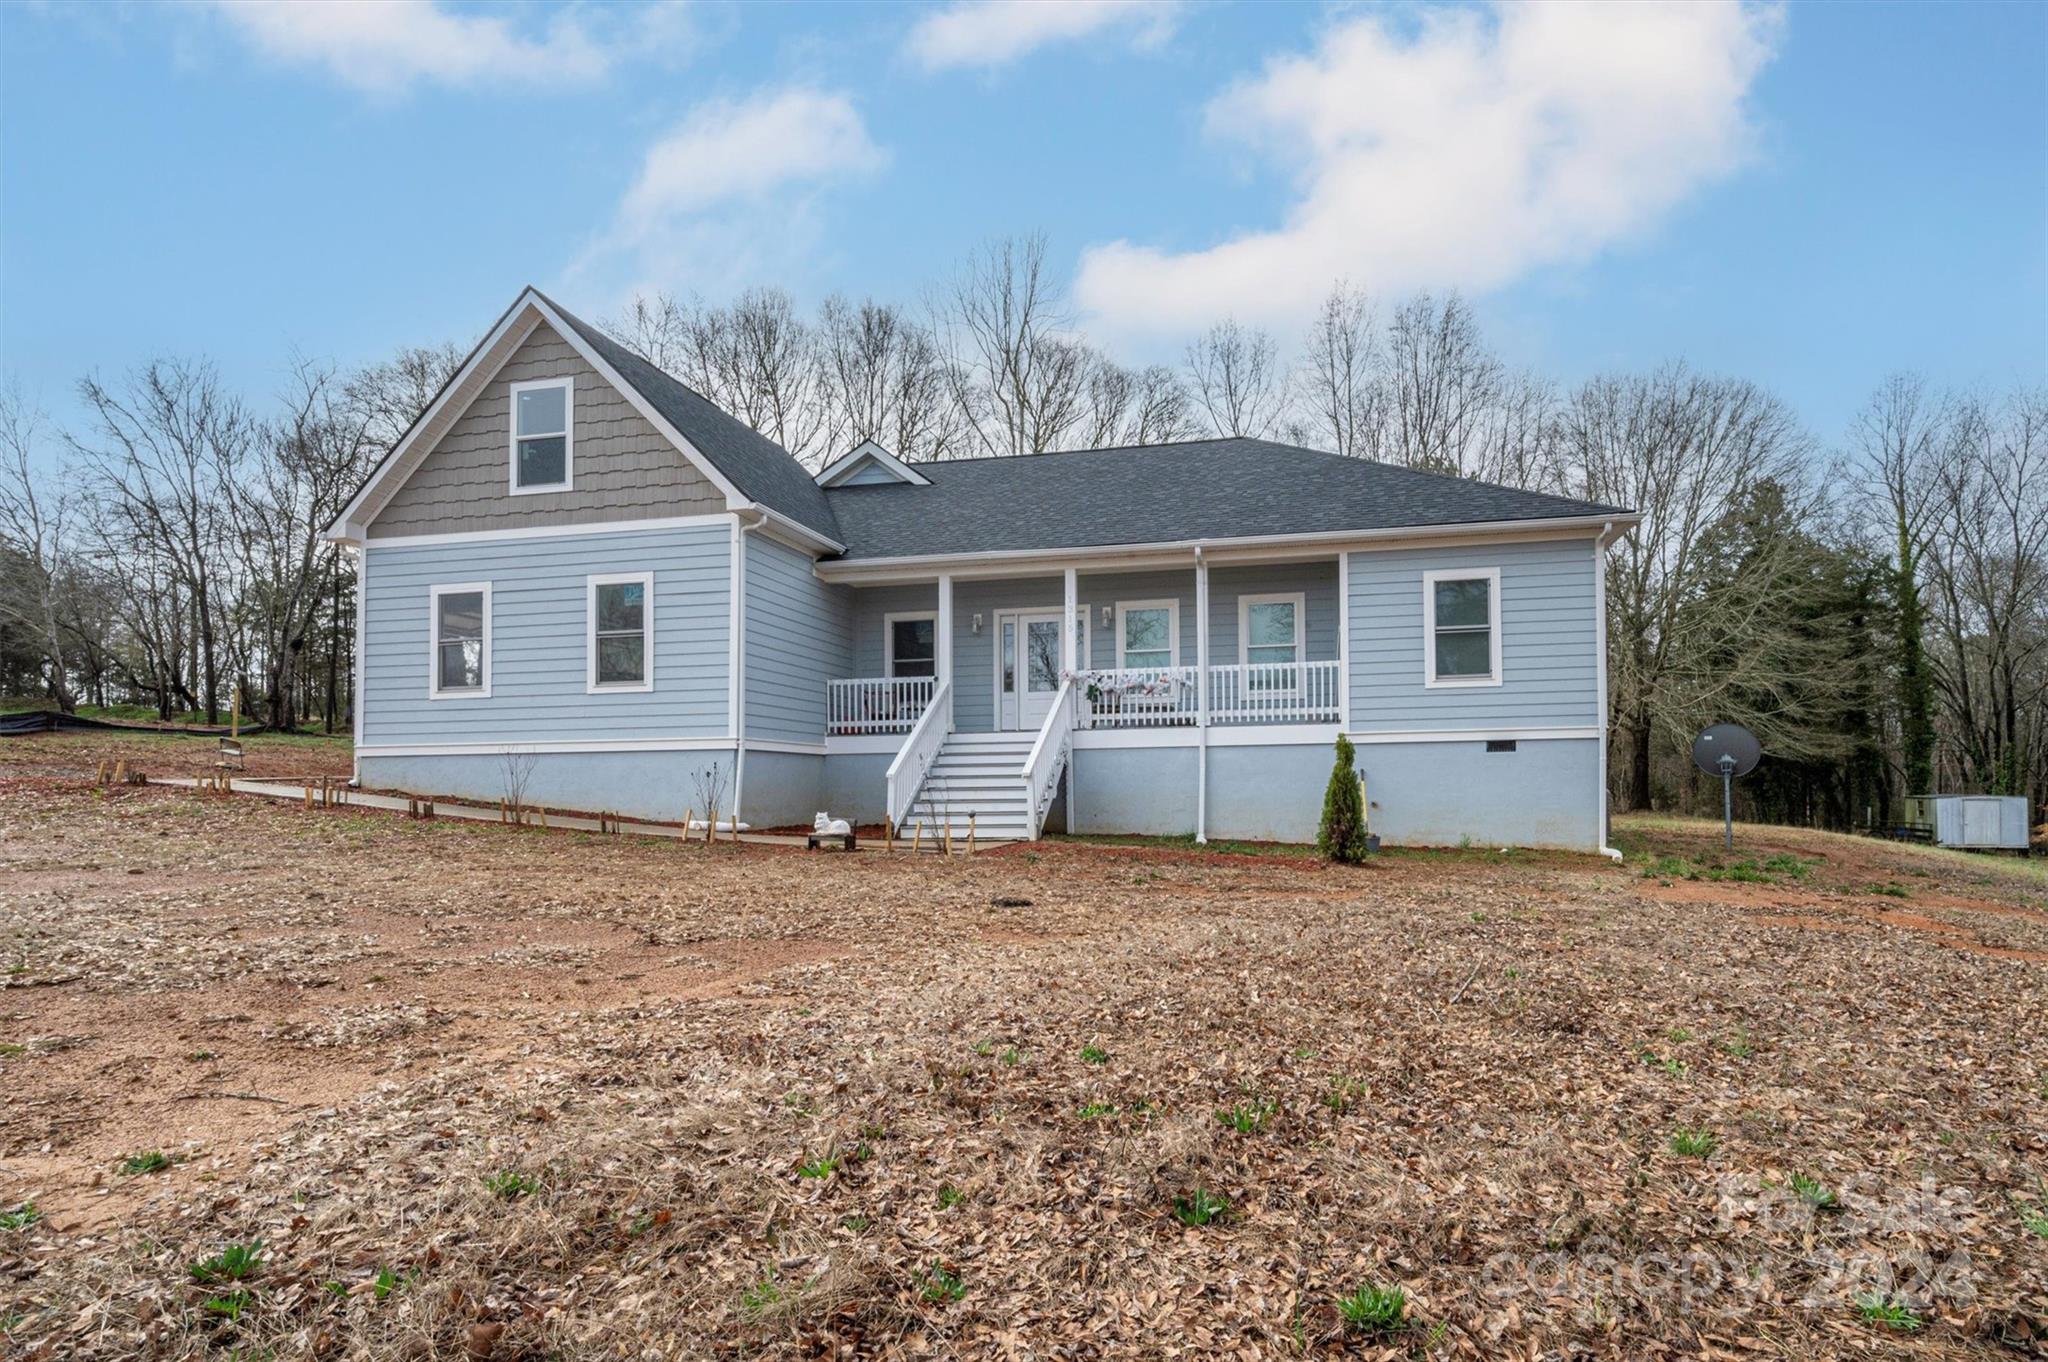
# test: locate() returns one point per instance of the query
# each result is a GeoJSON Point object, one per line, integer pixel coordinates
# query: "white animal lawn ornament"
{"type": "Point", "coordinates": [825, 825]}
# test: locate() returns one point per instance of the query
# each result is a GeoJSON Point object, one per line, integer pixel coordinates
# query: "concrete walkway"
{"type": "Point", "coordinates": [296, 794]}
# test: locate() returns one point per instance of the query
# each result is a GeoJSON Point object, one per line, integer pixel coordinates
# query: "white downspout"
{"type": "Point", "coordinates": [1201, 696]}
{"type": "Point", "coordinates": [1600, 603]}
{"type": "Point", "coordinates": [740, 527]}
{"type": "Point", "coordinates": [362, 621]}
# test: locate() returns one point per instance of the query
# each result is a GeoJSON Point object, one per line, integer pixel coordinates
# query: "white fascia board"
{"type": "Point", "coordinates": [1220, 552]}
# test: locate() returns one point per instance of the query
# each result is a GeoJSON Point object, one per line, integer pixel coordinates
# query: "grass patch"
{"type": "Point", "coordinates": [508, 1184]}
{"type": "Point", "coordinates": [1892, 891]}
{"type": "Point", "coordinates": [136, 1165]}
{"type": "Point", "coordinates": [1692, 1144]}
{"type": "Point", "coordinates": [1200, 1208]}
{"type": "Point", "coordinates": [1670, 1064]}
{"type": "Point", "coordinates": [761, 1297]}
{"type": "Point", "coordinates": [942, 1286]}
{"type": "Point", "coordinates": [1091, 1110]}
{"type": "Point", "coordinates": [21, 1217]}
{"type": "Point", "coordinates": [236, 1262]}
{"type": "Point", "coordinates": [1344, 1091]}
{"type": "Point", "coordinates": [1247, 1118]}
{"type": "Point", "coordinates": [1374, 1309]}
{"type": "Point", "coordinates": [228, 1307]}
{"type": "Point", "coordinates": [1815, 1193]}
{"type": "Point", "coordinates": [820, 1168]}
{"type": "Point", "coordinates": [1892, 1314]}
{"type": "Point", "coordinates": [950, 1196]}
{"type": "Point", "coordinates": [1091, 1054]}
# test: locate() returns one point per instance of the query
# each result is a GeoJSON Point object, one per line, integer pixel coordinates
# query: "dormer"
{"type": "Point", "coordinates": [868, 464]}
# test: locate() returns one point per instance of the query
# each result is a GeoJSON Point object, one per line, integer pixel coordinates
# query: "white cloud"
{"type": "Point", "coordinates": [729, 193]}
{"type": "Point", "coordinates": [387, 46]}
{"type": "Point", "coordinates": [1461, 153]}
{"type": "Point", "coordinates": [989, 33]}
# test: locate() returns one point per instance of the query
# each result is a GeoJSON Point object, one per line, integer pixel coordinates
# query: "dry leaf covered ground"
{"type": "Point", "coordinates": [482, 1092]}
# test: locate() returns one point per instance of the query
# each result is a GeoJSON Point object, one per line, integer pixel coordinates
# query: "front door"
{"type": "Point", "coordinates": [1028, 665]}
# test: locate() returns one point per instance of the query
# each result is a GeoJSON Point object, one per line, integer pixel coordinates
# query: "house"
{"type": "Point", "coordinates": [575, 559]}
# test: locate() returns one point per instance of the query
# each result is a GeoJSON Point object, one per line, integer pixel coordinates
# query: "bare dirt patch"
{"type": "Point", "coordinates": [490, 1092]}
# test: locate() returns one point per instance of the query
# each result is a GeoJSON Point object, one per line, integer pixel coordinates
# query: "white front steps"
{"type": "Point", "coordinates": [977, 775]}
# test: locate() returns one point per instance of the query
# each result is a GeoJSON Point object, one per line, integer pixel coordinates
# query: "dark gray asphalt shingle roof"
{"type": "Point", "coordinates": [751, 461]}
{"type": "Point", "coordinates": [1203, 489]}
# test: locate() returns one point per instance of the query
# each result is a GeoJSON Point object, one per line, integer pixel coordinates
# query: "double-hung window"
{"type": "Point", "coordinates": [1147, 634]}
{"type": "Point", "coordinates": [1461, 627]}
{"type": "Point", "coordinates": [912, 644]}
{"type": "Point", "coordinates": [459, 650]}
{"type": "Point", "coordinates": [1269, 640]}
{"type": "Point", "coordinates": [543, 446]}
{"type": "Point", "coordinates": [621, 640]}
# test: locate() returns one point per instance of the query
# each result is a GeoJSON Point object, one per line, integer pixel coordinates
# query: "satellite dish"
{"type": "Point", "coordinates": [1724, 741]}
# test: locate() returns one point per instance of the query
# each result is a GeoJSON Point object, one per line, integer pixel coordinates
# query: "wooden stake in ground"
{"type": "Point", "coordinates": [916, 837]}
{"type": "Point", "coordinates": [711, 825]}
{"type": "Point", "coordinates": [235, 712]}
{"type": "Point", "coordinates": [970, 833]}
{"type": "Point", "coordinates": [888, 835]}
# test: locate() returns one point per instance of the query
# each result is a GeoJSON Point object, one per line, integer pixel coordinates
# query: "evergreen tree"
{"type": "Point", "coordinates": [1342, 834]}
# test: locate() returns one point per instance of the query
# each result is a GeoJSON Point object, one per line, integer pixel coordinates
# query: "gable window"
{"type": "Point", "coordinates": [459, 652]}
{"type": "Point", "coordinates": [912, 644]}
{"type": "Point", "coordinates": [1147, 633]}
{"type": "Point", "coordinates": [543, 450]}
{"type": "Point", "coordinates": [1461, 627]}
{"type": "Point", "coordinates": [621, 640]}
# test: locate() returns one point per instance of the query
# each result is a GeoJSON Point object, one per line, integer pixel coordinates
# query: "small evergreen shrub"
{"type": "Point", "coordinates": [1342, 834]}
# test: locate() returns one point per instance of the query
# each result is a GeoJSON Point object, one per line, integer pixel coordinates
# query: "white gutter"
{"type": "Point", "coordinates": [858, 569]}
{"type": "Point", "coordinates": [1607, 534]}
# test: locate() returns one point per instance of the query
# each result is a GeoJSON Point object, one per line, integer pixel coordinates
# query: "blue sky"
{"type": "Point", "coordinates": [1807, 196]}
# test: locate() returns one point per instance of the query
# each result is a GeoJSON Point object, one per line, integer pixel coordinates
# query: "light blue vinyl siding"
{"type": "Point", "coordinates": [799, 635]}
{"type": "Point", "coordinates": [871, 474]}
{"type": "Point", "coordinates": [1549, 661]}
{"type": "Point", "coordinates": [539, 624]}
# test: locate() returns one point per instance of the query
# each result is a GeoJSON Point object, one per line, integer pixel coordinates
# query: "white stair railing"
{"type": "Point", "coordinates": [919, 751]}
{"type": "Point", "coordinates": [1048, 759]}
{"type": "Point", "coordinates": [1274, 693]}
{"type": "Point", "coordinates": [876, 704]}
{"type": "Point", "coordinates": [1139, 697]}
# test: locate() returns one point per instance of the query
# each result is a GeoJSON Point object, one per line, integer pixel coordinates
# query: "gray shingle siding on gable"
{"type": "Point", "coordinates": [624, 469]}
{"type": "Point", "coordinates": [760, 468]}
{"type": "Point", "coordinates": [1204, 489]}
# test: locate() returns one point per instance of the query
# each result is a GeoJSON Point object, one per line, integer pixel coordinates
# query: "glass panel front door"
{"type": "Point", "coordinates": [1028, 683]}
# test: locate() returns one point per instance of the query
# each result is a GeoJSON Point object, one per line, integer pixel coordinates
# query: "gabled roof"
{"type": "Point", "coordinates": [1168, 494]}
{"type": "Point", "coordinates": [865, 455]}
{"type": "Point", "coordinates": [750, 469]}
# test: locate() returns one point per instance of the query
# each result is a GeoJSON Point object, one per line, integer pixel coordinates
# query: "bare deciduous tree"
{"type": "Point", "coordinates": [1341, 375]}
{"type": "Point", "coordinates": [1238, 380]}
{"type": "Point", "coordinates": [1685, 451]}
{"type": "Point", "coordinates": [33, 511]}
{"type": "Point", "coordinates": [1019, 379]}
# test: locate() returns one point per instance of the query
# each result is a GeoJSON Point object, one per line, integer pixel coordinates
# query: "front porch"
{"type": "Point", "coordinates": [978, 694]}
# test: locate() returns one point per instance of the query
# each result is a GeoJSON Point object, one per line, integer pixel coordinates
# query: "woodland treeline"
{"type": "Point", "coordinates": [1872, 601]}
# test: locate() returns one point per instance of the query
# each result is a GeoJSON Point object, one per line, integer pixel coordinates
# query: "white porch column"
{"type": "Point", "coordinates": [1201, 697]}
{"type": "Point", "coordinates": [1069, 659]}
{"type": "Point", "coordinates": [1344, 642]}
{"type": "Point", "coordinates": [942, 642]}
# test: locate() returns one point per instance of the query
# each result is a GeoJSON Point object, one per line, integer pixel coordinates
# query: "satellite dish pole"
{"type": "Point", "coordinates": [1727, 751]}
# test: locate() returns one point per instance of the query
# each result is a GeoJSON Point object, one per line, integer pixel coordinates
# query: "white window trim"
{"type": "Point", "coordinates": [1491, 576]}
{"type": "Point", "coordinates": [590, 586]}
{"type": "Point", "coordinates": [1298, 599]}
{"type": "Point", "coordinates": [568, 482]}
{"type": "Point", "coordinates": [889, 623]}
{"type": "Point", "coordinates": [1171, 605]}
{"type": "Point", "coordinates": [434, 595]}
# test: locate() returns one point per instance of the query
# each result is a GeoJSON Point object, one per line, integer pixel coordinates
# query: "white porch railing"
{"type": "Point", "coordinates": [919, 751]}
{"type": "Point", "coordinates": [1140, 697]}
{"type": "Point", "coordinates": [1274, 693]}
{"type": "Point", "coordinates": [880, 704]}
{"type": "Point", "coordinates": [1048, 758]}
